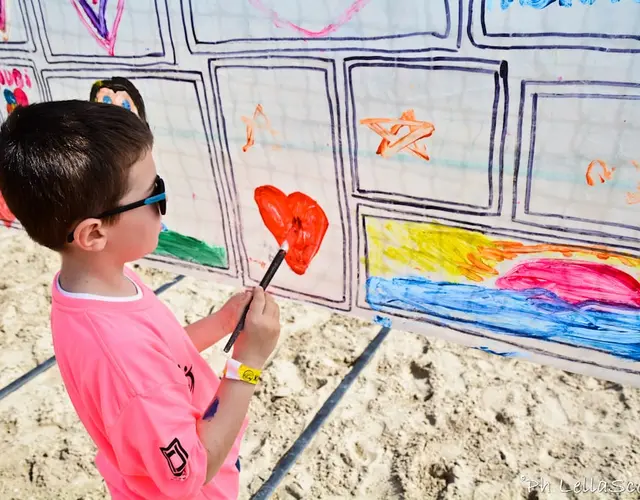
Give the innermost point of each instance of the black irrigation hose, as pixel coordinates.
(44, 366)
(289, 458)
(23, 379)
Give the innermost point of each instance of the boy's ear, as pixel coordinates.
(90, 235)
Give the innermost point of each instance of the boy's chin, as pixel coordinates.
(140, 251)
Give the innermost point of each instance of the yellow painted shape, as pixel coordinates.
(398, 248)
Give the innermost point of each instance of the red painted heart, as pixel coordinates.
(296, 218)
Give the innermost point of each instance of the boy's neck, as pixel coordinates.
(94, 276)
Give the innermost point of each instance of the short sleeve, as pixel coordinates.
(156, 444)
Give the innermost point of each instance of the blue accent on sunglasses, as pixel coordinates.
(159, 196)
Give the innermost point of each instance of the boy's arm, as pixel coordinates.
(211, 329)
(229, 407)
(207, 331)
(223, 419)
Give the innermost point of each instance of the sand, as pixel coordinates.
(425, 419)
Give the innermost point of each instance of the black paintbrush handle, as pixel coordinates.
(268, 276)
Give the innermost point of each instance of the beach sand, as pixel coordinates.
(426, 419)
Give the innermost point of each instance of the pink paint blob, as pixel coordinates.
(17, 77)
(14, 78)
(346, 16)
(3, 16)
(574, 281)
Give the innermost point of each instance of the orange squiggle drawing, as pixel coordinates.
(391, 144)
(605, 175)
(252, 124)
(634, 198)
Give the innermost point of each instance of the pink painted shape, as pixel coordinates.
(346, 16)
(110, 41)
(574, 281)
(3, 16)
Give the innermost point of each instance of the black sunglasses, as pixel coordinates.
(159, 196)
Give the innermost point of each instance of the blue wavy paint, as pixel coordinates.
(532, 313)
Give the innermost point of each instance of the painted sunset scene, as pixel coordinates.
(585, 297)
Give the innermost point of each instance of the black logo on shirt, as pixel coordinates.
(176, 457)
(189, 374)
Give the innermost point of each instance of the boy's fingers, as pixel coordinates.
(271, 307)
(258, 302)
(245, 297)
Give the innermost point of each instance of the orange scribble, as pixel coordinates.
(456, 252)
(634, 198)
(391, 144)
(509, 250)
(605, 175)
(480, 264)
(252, 123)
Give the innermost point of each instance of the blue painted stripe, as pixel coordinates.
(537, 314)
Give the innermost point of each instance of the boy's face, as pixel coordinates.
(135, 234)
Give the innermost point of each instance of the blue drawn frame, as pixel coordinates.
(498, 69)
(218, 47)
(167, 55)
(27, 45)
(195, 78)
(565, 89)
(542, 40)
(327, 68)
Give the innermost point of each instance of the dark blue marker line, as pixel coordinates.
(212, 410)
(289, 458)
(508, 354)
(12, 387)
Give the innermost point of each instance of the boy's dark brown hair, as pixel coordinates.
(64, 161)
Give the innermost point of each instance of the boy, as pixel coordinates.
(80, 178)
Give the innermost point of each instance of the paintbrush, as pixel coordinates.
(268, 276)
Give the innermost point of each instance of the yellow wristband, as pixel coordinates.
(234, 370)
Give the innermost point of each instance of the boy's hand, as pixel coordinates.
(261, 331)
(232, 310)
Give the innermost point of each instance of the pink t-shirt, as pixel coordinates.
(139, 385)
